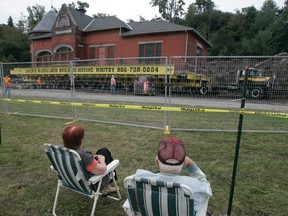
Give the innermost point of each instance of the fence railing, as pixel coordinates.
(190, 87)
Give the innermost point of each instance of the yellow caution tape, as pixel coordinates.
(121, 106)
(154, 108)
(270, 114)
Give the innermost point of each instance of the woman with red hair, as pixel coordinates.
(95, 164)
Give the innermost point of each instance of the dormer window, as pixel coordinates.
(63, 21)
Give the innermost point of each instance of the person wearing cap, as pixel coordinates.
(171, 158)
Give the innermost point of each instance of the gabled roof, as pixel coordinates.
(158, 26)
(46, 24)
(105, 23)
(152, 27)
(86, 23)
(81, 19)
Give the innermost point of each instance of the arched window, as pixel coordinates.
(63, 53)
(63, 21)
(43, 57)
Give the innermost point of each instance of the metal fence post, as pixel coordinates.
(72, 89)
(238, 141)
(167, 97)
(5, 107)
(0, 134)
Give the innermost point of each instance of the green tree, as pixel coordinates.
(201, 12)
(284, 11)
(265, 17)
(203, 6)
(36, 14)
(14, 45)
(260, 44)
(82, 5)
(72, 5)
(249, 16)
(99, 15)
(22, 23)
(227, 40)
(169, 9)
(280, 30)
(258, 29)
(10, 21)
(200, 21)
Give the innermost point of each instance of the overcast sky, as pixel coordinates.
(123, 9)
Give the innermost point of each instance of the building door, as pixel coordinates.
(102, 55)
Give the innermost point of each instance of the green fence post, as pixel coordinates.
(239, 132)
(0, 134)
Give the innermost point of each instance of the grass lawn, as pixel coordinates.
(27, 186)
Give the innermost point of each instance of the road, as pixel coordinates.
(126, 99)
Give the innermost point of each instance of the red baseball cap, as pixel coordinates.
(171, 148)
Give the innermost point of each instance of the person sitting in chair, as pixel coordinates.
(95, 164)
(171, 158)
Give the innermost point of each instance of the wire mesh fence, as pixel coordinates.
(222, 77)
(196, 86)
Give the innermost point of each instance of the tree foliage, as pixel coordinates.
(36, 14)
(203, 6)
(169, 9)
(10, 22)
(14, 45)
(248, 31)
(100, 15)
(81, 5)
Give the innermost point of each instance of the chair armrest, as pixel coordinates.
(110, 167)
(128, 181)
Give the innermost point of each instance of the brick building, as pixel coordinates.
(71, 34)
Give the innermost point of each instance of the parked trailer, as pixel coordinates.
(140, 79)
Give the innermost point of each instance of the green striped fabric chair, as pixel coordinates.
(151, 197)
(72, 174)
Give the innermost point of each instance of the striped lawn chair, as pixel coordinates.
(156, 197)
(72, 174)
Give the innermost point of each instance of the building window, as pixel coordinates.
(63, 54)
(110, 51)
(150, 50)
(63, 21)
(198, 62)
(110, 55)
(198, 51)
(102, 52)
(92, 52)
(43, 56)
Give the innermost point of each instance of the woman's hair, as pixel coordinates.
(72, 136)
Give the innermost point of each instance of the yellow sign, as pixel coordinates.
(94, 70)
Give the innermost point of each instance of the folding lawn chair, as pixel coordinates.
(156, 197)
(72, 174)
